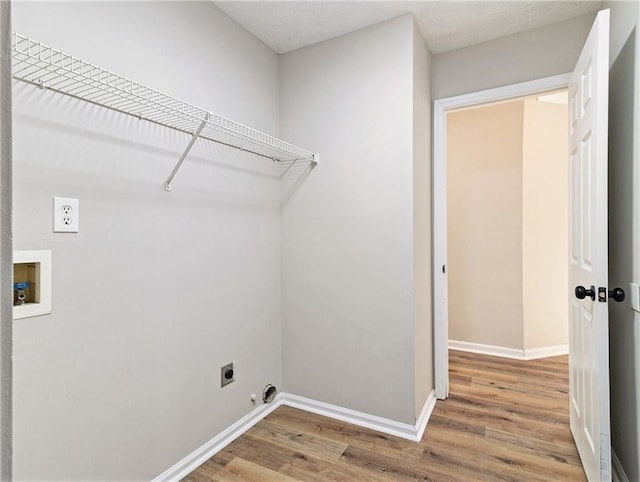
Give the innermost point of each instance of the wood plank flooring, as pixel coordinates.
(505, 420)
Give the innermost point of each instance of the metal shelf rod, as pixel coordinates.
(194, 138)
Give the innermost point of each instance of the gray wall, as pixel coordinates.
(348, 265)
(422, 221)
(624, 232)
(6, 266)
(530, 55)
(158, 289)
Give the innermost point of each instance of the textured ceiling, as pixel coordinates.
(446, 25)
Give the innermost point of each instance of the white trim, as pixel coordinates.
(492, 350)
(440, 296)
(425, 415)
(217, 443)
(361, 419)
(504, 352)
(619, 475)
(545, 351)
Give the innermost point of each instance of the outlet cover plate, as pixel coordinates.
(635, 296)
(66, 215)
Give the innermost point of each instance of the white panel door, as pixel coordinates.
(588, 263)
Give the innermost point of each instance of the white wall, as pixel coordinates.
(624, 232)
(530, 55)
(507, 196)
(545, 224)
(158, 289)
(6, 256)
(484, 224)
(422, 221)
(348, 234)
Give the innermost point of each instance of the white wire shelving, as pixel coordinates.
(52, 69)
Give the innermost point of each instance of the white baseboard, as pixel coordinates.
(217, 443)
(545, 351)
(514, 353)
(486, 349)
(619, 474)
(425, 415)
(361, 419)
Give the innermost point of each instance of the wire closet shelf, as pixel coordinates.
(52, 69)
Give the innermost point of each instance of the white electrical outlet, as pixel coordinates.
(66, 215)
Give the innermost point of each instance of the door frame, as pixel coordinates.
(440, 109)
(6, 246)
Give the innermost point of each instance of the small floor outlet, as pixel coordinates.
(227, 374)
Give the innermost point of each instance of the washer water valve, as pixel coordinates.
(20, 293)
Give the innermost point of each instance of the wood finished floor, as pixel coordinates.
(505, 420)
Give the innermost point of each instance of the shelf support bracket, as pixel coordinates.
(194, 138)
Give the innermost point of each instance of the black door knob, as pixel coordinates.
(582, 292)
(617, 294)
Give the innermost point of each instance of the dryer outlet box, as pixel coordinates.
(227, 374)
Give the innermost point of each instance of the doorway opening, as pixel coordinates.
(458, 105)
(588, 245)
(502, 179)
(507, 227)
